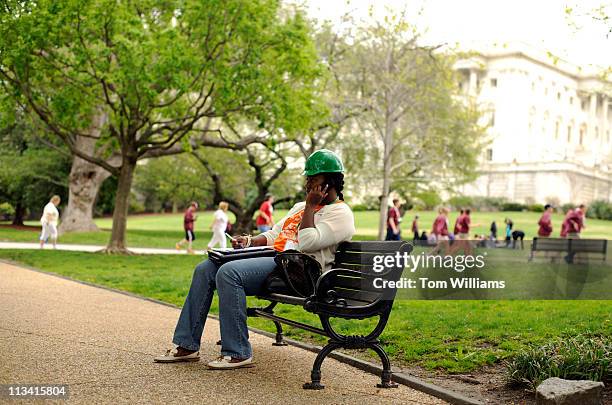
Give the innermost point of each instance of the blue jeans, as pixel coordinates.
(263, 228)
(392, 236)
(234, 281)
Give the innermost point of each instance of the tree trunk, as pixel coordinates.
(20, 211)
(384, 203)
(117, 243)
(85, 182)
(244, 222)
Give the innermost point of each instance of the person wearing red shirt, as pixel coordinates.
(545, 223)
(188, 220)
(463, 225)
(440, 225)
(575, 222)
(456, 228)
(264, 220)
(393, 220)
(440, 231)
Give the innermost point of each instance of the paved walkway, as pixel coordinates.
(93, 248)
(101, 343)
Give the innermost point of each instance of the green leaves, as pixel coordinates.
(170, 61)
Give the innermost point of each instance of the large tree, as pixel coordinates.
(153, 74)
(415, 126)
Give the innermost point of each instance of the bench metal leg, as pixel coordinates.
(315, 374)
(386, 373)
(279, 335)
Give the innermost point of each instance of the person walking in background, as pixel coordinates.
(264, 221)
(188, 219)
(440, 231)
(462, 242)
(545, 222)
(582, 211)
(456, 227)
(440, 225)
(509, 226)
(415, 228)
(49, 220)
(219, 225)
(574, 221)
(393, 220)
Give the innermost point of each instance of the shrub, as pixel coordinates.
(510, 206)
(359, 207)
(459, 202)
(582, 357)
(535, 208)
(135, 206)
(427, 200)
(600, 210)
(6, 211)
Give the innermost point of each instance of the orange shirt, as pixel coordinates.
(290, 229)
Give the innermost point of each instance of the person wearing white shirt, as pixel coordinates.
(219, 225)
(49, 221)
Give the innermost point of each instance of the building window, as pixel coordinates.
(558, 96)
(582, 105)
(494, 82)
(532, 86)
(489, 155)
(492, 120)
(571, 100)
(569, 133)
(581, 138)
(596, 132)
(557, 130)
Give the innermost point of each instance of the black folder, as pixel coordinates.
(221, 256)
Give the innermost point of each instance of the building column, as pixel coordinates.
(592, 117)
(473, 83)
(605, 126)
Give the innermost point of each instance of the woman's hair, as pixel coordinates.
(335, 180)
(223, 206)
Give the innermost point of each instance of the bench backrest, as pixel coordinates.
(570, 245)
(360, 256)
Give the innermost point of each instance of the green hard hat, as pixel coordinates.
(323, 161)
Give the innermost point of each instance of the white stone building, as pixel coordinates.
(550, 127)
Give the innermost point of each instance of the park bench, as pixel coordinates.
(347, 291)
(571, 246)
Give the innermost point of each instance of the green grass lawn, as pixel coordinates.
(164, 230)
(455, 336)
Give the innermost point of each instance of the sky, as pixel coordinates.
(542, 24)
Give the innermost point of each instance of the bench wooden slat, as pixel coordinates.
(370, 246)
(361, 283)
(360, 257)
(358, 267)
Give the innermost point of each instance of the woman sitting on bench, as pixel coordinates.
(315, 226)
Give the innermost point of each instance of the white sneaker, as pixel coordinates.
(227, 362)
(171, 357)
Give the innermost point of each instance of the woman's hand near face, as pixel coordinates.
(316, 195)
